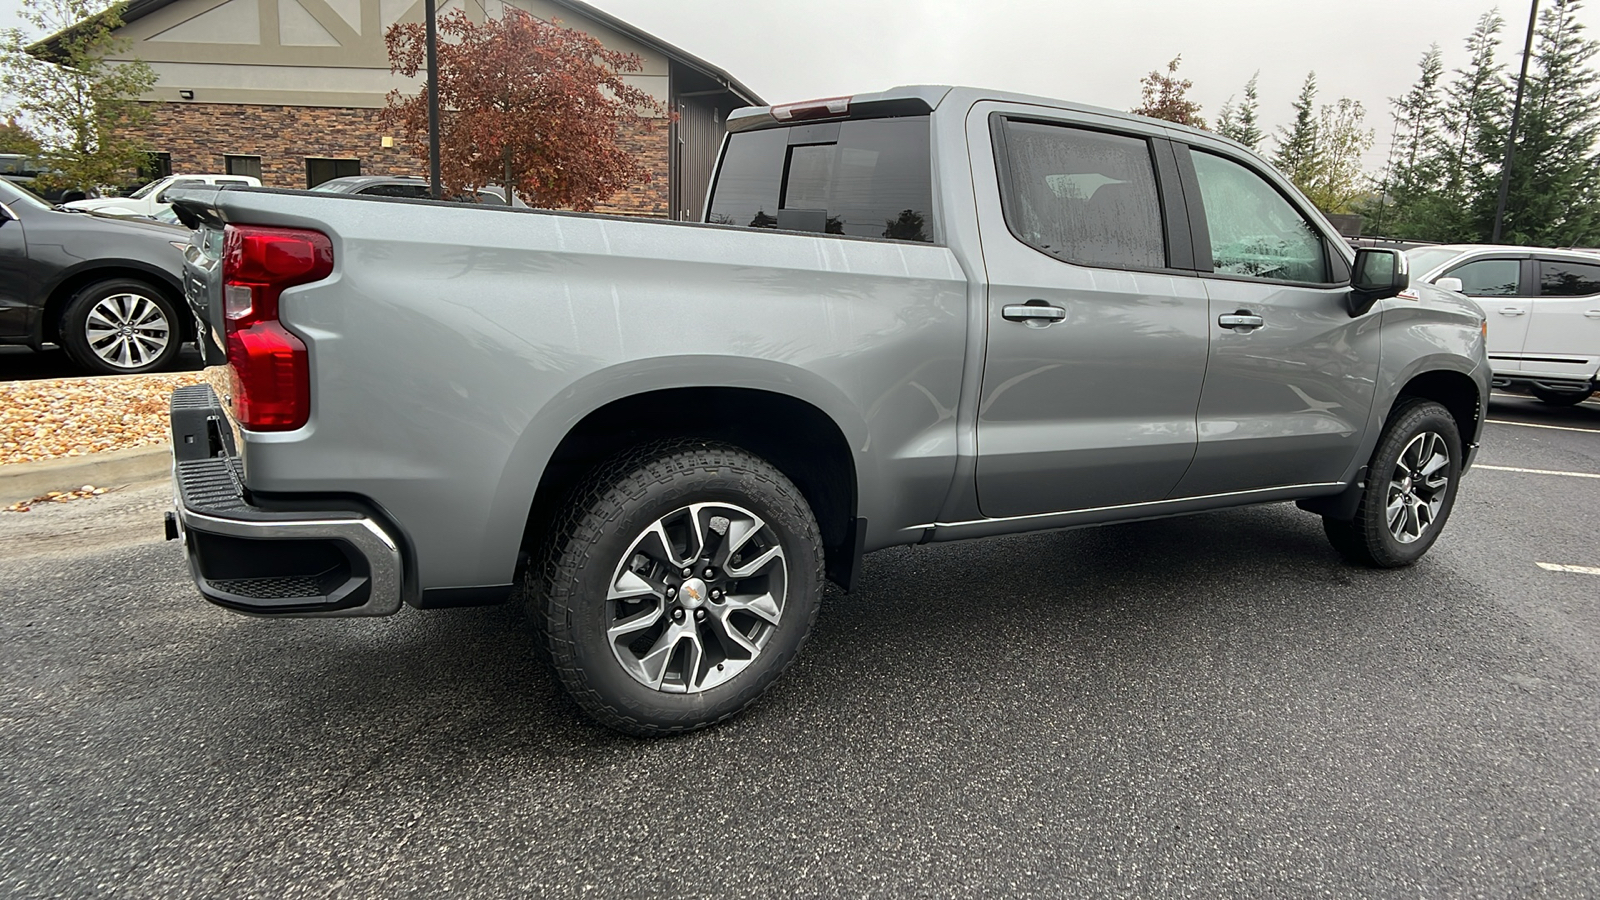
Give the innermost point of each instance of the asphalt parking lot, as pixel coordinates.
(1209, 706)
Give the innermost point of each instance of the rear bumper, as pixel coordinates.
(300, 563)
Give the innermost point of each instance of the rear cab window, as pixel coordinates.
(869, 178)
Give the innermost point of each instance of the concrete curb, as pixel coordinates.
(112, 468)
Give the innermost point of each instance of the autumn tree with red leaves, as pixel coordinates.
(523, 103)
(1167, 97)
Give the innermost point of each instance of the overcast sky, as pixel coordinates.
(1090, 51)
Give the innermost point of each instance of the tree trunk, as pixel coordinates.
(505, 156)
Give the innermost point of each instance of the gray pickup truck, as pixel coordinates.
(928, 314)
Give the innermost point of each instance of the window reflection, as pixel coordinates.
(869, 178)
(1255, 232)
(1488, 277)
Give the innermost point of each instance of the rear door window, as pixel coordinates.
(1083, 196)
(869, 178)
(1488, 277)
(1568, 279)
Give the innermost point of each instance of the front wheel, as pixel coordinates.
(1561, 398)
(1411, 488)
(678, 586)
(120, 326)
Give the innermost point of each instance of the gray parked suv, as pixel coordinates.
(928, 314)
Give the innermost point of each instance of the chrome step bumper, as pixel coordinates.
(270, 562)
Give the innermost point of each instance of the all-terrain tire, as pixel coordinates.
(597, 534)
(1372, 538)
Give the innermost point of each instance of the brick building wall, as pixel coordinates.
(199, 135)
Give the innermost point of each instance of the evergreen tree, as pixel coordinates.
(1556, 173)
(1412, 173)
(1297, 144)
(1474, 116)
(1240, 122)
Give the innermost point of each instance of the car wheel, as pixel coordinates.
(1411, 488)
(681, 581)
(121, 326)
(1561, 398)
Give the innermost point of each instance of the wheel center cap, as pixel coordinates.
(1406, 485)
(693, 593)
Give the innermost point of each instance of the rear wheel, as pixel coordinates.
(680, 584)
(1561, 398)
(1411, 488)
(121, 326)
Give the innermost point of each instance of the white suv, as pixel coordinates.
(152, 198)
(1543, 308)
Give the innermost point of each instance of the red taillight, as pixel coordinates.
(271, 374)
(826, 108)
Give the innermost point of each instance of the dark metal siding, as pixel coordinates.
(698, 136)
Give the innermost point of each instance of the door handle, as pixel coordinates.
(1035, 312)
(1241, 319)
(1592, 314)
(1513, 311)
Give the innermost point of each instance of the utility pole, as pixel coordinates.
(430, 19)
(1516, 119)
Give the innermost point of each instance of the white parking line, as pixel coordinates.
(1536, 471)
(1581, 570)
(1551, 427)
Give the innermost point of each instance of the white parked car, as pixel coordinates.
(152, 198)
(1543, 307)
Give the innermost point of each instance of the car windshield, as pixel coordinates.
(330, 187)
(17, 195)
(1425, 259)
(147, 190)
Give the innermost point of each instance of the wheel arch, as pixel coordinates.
(1456, 391)
(76, 279)
(796, 436)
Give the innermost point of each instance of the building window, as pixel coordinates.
(243, 165)
(156, 166)
(320, 169)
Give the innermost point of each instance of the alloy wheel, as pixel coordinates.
(127, 330)
(1418, 486)
(696, 597)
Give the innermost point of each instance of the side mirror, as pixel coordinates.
(1379, 275)
(1450, 283)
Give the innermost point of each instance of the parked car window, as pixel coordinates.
(1568, 279)
(411, 191)
(145, 191)
(1488, 277)
(180, 183)
(868, 178)
(1083, 196)
(15, 194)
(1426, 259)
(1255, 231)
